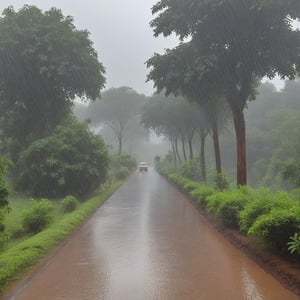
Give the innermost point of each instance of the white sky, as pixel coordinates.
(121, 34)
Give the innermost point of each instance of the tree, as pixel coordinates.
(238, 43)
(119, 109)
(45, 62)
(72, 160)
(177, 72)
(178, 120)
(4, 204)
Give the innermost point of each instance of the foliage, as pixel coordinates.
(4, 191)
(4, 165)
(191, 169)
(294, 244)
(201, 193)
(232, 60)
(19, 258)
(262, 202)
(69, 203)
(221, 181)
(125, 160)
(189, 185)
(227, 205)
(72, 160)
(120, 166)
(38, 216)
(45, 63)
(291, 171)
(277, 226)
(122, 173)
(119, 111)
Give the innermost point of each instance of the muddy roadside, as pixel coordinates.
(286, 272)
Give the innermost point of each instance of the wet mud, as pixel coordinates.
(148, 242)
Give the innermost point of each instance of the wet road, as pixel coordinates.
(147, 242)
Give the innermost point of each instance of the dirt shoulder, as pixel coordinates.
(286, 272)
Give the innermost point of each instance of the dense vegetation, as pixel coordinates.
(272, 217)
(206, 87)
(50, 163)
(72, 160)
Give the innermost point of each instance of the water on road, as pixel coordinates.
(148, 242)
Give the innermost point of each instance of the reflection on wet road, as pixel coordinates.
(147, 242)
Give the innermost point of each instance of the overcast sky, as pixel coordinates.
(121, 34)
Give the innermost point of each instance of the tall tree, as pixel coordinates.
(177, 120)
(242, 41)
(45, 62)
(118, 109)
(177, 72)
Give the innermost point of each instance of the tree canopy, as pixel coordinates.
(119, 109)
(45, 62)
(234, 44)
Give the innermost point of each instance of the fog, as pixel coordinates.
(121, 34)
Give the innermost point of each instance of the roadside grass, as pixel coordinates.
(13, 227)
(17, 259)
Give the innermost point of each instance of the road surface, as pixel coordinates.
(148, 242)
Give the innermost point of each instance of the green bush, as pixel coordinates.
(191, 169)
(189, 185)
(227, 205)
(4, 205)
(118, 161)
(38, 216)
(277, 227)
(201, 193)
(72, 160)
(69, 203)
(122, 173)
(294, 244)
(221, 181)
(263, 201)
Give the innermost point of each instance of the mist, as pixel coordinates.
(120, 32)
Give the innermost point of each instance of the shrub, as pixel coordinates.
(191, 169)
(72, 160)
(189, 185)
(294, 244)
(263, 201)
(4, 207)
(38, 216)
(4, 238)
(118, 161)
(69, 203)
(277, 227)
(221, 182)
(122, 173)
(229, 209)
(227, 205)
(201, 193)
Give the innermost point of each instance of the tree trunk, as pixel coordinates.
(176, 149)
(190, 143)
(215, 133)
(202, 155)
(190, 139)
(183, 147)
(174, 154)
(120, 145)
(240, 132)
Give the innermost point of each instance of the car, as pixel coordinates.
(143, 167)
